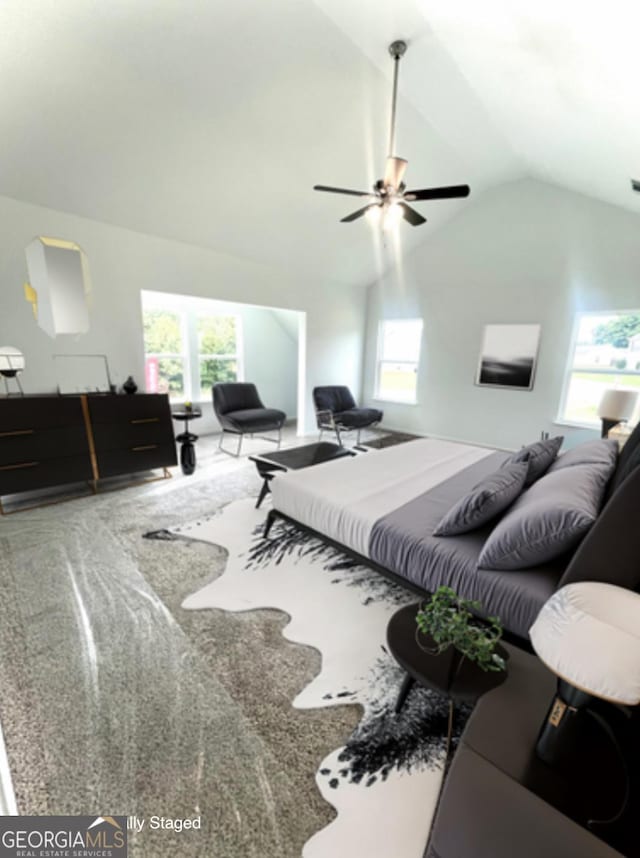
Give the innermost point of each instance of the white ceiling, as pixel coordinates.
(208, 121)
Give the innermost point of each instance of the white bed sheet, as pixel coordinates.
(344, 498)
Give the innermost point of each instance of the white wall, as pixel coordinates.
(123, 262)
(271, 356)
(524, 252)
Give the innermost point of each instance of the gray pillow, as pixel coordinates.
(548, 519)
(485, 501)
(600, 452)
(539, 456)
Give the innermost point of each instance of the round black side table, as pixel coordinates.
(458, 681)
(187, 439)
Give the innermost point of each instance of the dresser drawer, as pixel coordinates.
(40, 412)
(33, 474)
(21, 445)
(143, 457)
(127, 409)
(124, 436)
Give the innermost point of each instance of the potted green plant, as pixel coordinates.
(448, 620)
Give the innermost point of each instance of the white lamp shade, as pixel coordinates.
(588, 634)
(11, 360)
(617, 404)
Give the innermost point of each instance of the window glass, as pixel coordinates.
(188, 349)
(398, 358)
(605, 354)
(164, 348)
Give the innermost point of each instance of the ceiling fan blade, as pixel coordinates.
(411, 215)
(331, 190)
(357, 214)
(394, 172)
(446, 193)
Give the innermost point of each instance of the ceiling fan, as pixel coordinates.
(389, 199)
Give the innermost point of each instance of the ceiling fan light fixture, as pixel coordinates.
(374, 214)
(392, 216)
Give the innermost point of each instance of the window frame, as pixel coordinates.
(380, 360)
(237, 356)
(182, 356)
(190, 309)
(569, 370)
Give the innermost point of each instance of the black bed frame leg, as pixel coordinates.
(271, 517)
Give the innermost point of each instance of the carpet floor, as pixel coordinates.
(115, 700)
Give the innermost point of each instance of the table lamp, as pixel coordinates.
(588, 634)
(615, 406)
(11, 364)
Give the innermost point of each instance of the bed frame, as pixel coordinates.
(610, 552)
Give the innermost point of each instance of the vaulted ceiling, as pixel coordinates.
(209, 121)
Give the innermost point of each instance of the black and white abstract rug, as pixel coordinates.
(385, 781)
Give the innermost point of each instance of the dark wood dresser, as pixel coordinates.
(131, 433)
(48, 441)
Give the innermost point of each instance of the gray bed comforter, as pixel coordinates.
(401, 542)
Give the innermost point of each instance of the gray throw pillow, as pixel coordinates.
(485, 501)
(540, 456)
(547, 520)
(600, 452)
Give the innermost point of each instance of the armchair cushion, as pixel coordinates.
(333, 398)
(358, 418)
(235, 396)
(253, 419)
(335, 404)
(239, 408)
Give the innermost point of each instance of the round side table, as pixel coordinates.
(187, 439)
(459, 682)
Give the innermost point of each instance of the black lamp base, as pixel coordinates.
(607, 424)
(557, 736)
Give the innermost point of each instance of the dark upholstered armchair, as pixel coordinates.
(240, 411)
(336, 411)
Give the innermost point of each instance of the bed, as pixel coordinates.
(383, 506)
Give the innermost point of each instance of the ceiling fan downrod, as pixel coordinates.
(397, 50)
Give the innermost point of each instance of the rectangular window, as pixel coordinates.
(398, 357)
(605, 354)
(165, 352)
(189, 344)
(217, 351)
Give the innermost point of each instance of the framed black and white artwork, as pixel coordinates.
(508, 356)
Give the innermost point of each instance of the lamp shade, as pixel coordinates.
(617, 404)
(11, 361)
(588, 634)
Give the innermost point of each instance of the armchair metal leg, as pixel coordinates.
(358, 436)
(337, 428)
(229, 452)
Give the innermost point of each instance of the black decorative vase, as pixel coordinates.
(130, 386)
